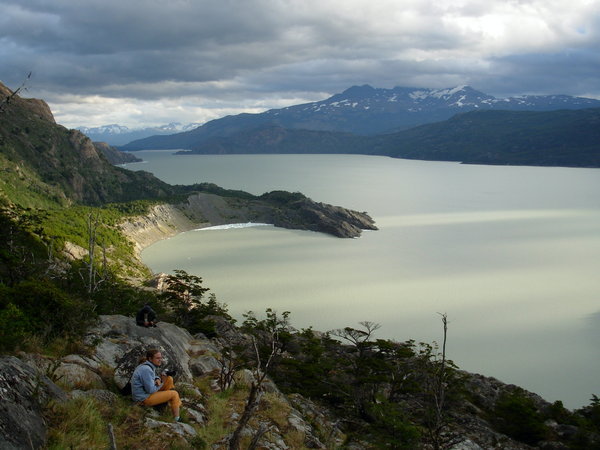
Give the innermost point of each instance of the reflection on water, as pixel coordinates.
(511, 254)
(479, 217)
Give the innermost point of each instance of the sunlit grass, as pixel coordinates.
(77, 423)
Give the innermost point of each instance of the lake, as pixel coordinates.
(510, 254)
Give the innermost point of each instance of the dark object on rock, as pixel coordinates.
(24, 392)
(146, 317)
(126, 390)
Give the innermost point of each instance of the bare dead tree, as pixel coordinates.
(6, 100)
(52, 264)
(438, 392)
(229, 365)
(92, 280)
(92, 227)
(258, 435)
(256, 389)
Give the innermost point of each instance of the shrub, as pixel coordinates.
(282, 197)
(517, 416)
(13, 327)
(392, 428)
(41, 308)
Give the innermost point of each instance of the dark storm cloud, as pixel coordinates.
(260, 52)
(561, 73)
(93, 46)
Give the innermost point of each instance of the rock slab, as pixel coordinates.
(23, 391)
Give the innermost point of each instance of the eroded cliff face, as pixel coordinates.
(162, 222)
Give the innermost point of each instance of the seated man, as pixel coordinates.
(146, 317)
(149, 390)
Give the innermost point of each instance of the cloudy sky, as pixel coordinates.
(150, 62)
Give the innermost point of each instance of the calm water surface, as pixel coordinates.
(511, 254)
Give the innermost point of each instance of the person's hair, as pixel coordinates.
(151, 352)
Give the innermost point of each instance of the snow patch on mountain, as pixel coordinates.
(172, 127)
(115, 134)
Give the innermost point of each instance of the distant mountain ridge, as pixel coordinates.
(275, 139)
(115, 134)
(567, 138)
(543, 138)
(365, 110)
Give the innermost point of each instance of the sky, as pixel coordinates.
(150, 62)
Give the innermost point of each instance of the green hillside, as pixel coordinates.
(43, 164)
(276, 139)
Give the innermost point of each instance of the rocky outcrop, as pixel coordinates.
(117, 344)
(301, 213)
(36, 108)
(121, 344)
(114, 155)
(24, 391)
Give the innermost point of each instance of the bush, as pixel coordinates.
(517, 417)
(393, 428)
(282, 197)
(38, 307)
(118, 297)
(13, 327)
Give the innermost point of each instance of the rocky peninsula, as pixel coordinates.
(282, 209)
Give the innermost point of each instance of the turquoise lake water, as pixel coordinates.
(511, 254)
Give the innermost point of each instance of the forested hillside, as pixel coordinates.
(554, 138)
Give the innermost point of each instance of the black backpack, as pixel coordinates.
(126, 390)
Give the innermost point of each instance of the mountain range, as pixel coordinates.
(568, 138)
(359, 111)
(114, 134)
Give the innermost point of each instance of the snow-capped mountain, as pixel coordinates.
(366, 110)
(115, 134)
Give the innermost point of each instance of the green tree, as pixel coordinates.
(22, 252)
(183, 296)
